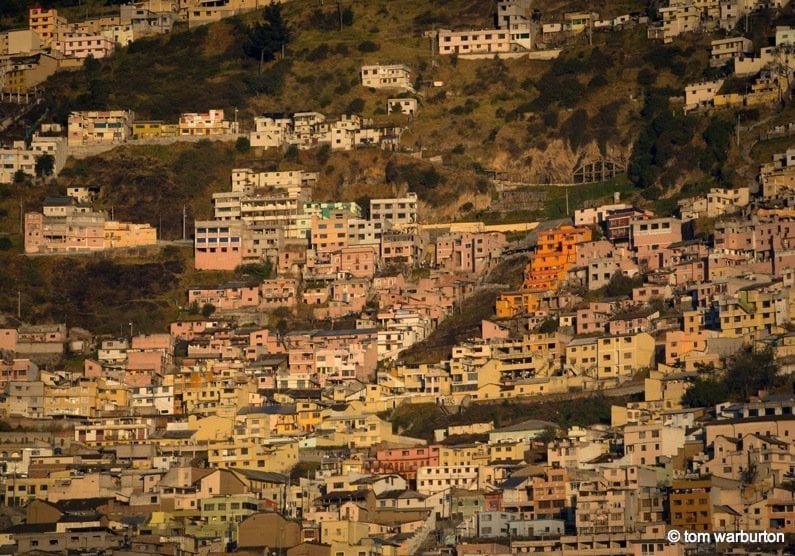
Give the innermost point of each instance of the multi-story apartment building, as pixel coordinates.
(106, 432)
(554, 255)
(405, 460)
(202, 12)
(65, 226)
(610, 356)
(693, 502)
(716, 203)
(602, 508)
(307, 130)
(233, 295)
(723, 51)
(205, 124)
(397, 211)
(485, 41)
(219, 244)
(22, 157)
(396, 76)
(648, 238)
(433, 479)
(754, 311)
(21, 74)
(254, 453)
(467, 252)
(77, 230)
(646, 444)
(702, 94)
(83, 45)
(45, 23)
(99, 128)
(779, 174)
(293, 181)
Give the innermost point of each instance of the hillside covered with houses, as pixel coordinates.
(386, 279)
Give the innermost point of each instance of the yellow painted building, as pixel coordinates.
(511, 304)
(308, 415)
(754, 312)
(253, 453)
(463, 455)
(606, 357)
(25, 73)
(112, 395)
(77, 399)
(502, 452)
(127, 234)
(351, 428)
(154, 129)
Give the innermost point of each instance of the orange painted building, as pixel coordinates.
(405, 460)
(511, 304)
(555, 254)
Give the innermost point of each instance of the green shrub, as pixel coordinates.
(368, 46)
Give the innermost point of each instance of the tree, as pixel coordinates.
(264, 40)
(20, 177)
(208, 310)
(718, 137)
(621, 285)
(549, 325)
(291, 153)
(705, 392)
(364, 204)
(751, 371)
(355, 106)
(45, 165)
(242, 145)
(347, 16)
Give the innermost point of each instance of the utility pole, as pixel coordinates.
(184, 218)
(19, 304)
(590, 28)
(339, 13)
(567, 201)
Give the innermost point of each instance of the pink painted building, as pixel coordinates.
(218, 244)
(278, 292)
(316, 295)
(400, 248)
(329, 234)
(358, 261)
(266, 339)
(17, 370)
(469, 252)
(648, 292)
(233, 295)
(291, 259)
(404, 460)
(83, 45)
(631, 322)
(187, 329)
(593, 318)
(650, 237)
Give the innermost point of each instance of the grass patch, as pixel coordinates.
(763, 151)
(463, 323)
(420, 420)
